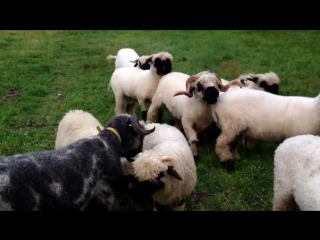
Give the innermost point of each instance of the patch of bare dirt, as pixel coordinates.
(10, 95)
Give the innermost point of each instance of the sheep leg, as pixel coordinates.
(159, 207)
(191, 136)
(177, 124)
(155, 107)
(120, 104)
(143, 108)
(224, 141)
(131, 108)
(284, 202)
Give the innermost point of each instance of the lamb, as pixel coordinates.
(76, 125)
(261, 116)
(127, 57)
(193, 112)
(165, 168)
(268, 82)
(133, 84)
(66, 179)
(296, 174)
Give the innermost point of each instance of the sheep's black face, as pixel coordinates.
(210, 95)
(148, 188)
(163, 66)
(146, 65)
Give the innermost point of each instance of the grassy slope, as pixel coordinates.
(46, 73)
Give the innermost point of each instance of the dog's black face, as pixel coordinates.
(163, 66)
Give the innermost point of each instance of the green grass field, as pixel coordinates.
(44, 74)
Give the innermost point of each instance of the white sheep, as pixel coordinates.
(297, 174)
(165, 168)
(132, 84)
(127, 57)
(261, 116)
(194, 112)
(76, 125)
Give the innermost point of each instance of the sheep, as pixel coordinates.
(261, 116)
(193, 112)
(268, 82)
(76, 125)
(68, 178)
(133, 84)
(127, 57)
(165, 168)
(296, 174)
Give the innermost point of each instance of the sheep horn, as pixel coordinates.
(182, 93)
(224, 88)
(190, 81)
(174, 173)
(139, 128)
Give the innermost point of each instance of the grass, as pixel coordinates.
(46, 73)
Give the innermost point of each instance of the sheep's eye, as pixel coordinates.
(199, 86)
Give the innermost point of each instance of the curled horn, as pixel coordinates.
(139, 128)
(190, 81)
(224, 88)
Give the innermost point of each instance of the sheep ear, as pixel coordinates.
(135, 61)
(171, 171)
(166, 159)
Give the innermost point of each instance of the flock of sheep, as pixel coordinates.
(91, 164)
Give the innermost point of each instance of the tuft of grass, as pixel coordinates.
(44, 74)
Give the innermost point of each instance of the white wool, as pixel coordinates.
(262, 116)
(76, 125)
(167, 141)
(123, 58)
(297, 174)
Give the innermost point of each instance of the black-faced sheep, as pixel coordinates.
(132, 84)
(268, 82)
(297, 174)
(194, 112)
(68, 178)
(165, 168)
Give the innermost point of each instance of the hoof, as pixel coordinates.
(144, 115)
(228, 165)
(196, 158)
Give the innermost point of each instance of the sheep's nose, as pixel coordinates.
(210, 95)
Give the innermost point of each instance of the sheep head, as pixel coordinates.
(143, 62)
(151, 171)
(206, 86)
(161, 63)
(268, 82)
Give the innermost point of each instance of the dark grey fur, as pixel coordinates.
(66, 179)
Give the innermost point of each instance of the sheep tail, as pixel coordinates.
(111, 57)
